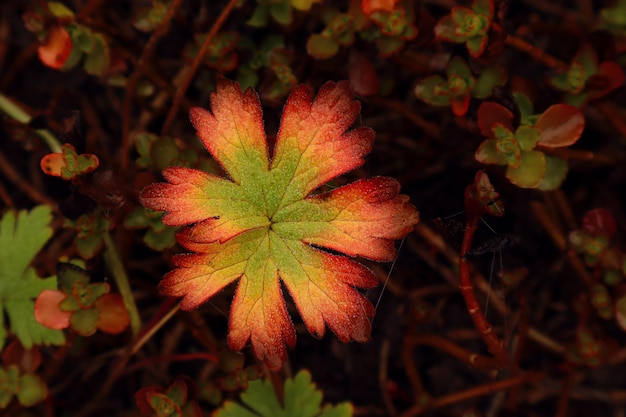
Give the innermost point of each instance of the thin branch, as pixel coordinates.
(131, 86)
(182, 88)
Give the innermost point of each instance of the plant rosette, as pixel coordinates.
(339, 31)
(172, 401)
(593, 241)
(522, 150)
(468, 25)
(89, 228)
(586, 79)
(80, 305)
(64, 46)
(459, 87)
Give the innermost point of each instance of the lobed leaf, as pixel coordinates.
(22, 235)
(265, 224)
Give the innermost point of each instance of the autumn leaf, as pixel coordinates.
(268, 222)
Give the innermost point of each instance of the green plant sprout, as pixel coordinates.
(67, 43)
(81, 305)
(459, 86)
(523, 150)
(468, 25)
(586, 79)
(172, 401)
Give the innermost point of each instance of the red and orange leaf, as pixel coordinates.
(560, 125)
(490, 113)
(263, 226)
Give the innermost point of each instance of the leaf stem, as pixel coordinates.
(493, 342)
(15, 112)
(114, 263)
(536, 53)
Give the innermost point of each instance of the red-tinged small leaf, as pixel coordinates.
(27, 360)
(258, 226)
(112, 317)
(482, 198)
(370, 6)
(560, 125)
(614, 76)
(68, 163)
(476, 45)
(47, 310)
(490, 113)
(445, 30)
(599, 221)
(459, 105)
(486, 7)
(487, 153)
(433, 90)
(57, 48)
(52, 164)
(363, 77)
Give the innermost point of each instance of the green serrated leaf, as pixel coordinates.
(301, 399)
(22, 235)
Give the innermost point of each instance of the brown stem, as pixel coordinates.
(536, 53)
(131, 86)
(493, 342)
(430, 128)
(559, 240)
(474, 392)
(182, 88)
(13, 176)
(438, 342)
(614, 114)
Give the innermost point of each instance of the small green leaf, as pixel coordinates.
(433, 90)
(525, 107)
(490, 78)
(32, 390)
(556, 171)
(98, 60)
(476, 45)
(321, 47)
(527, 137)
(458, 66)
(85, 322)
(487, 153)
(530, 171)
(259, 17)
(281, 12)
